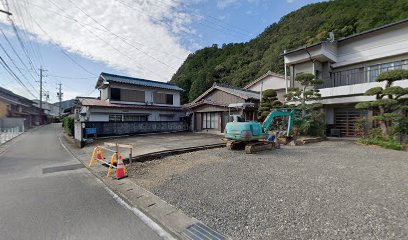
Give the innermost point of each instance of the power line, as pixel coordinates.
(120, 37)
(13, 25)
(35, 50)
(93, 33)
(237, 31)
(69, 77)
(15, 52)
(12, 61)
(10, 71)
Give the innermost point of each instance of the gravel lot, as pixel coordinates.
(327, 190)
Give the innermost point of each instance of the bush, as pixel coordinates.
(313, 124)
(388, 143)
(69, 125)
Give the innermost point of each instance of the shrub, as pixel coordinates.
(388, 143)
(69, 125)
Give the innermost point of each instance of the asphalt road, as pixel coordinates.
(41, 199)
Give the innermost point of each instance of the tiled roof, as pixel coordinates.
(93, 102)
(137, 81)
(239, 92)
(348, 37)
(12, 97)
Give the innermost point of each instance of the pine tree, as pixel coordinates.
(269, 102)
(391, 102)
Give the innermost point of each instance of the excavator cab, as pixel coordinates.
(252, 135)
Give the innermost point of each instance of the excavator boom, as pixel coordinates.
(279, 113)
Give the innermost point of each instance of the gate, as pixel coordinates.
(345, 120)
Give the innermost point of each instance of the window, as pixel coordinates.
(135, 118)
(115, 94)
(210, 120)
(163, 98)
(376, 70)
(169, 99)
(398, 65)
(115, 117)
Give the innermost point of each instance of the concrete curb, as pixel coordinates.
(165, 153)
(173, 220)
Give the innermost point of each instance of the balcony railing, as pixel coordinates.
(358, 75)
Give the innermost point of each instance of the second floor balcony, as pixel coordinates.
(360, 75)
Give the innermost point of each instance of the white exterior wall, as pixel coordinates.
(355, 89)
(148, 94)
(269, 82)
(102, 114)
(376, 45)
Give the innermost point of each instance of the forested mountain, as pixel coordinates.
(239, 63)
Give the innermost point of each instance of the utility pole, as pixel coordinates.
(60, 99)
(41, 94)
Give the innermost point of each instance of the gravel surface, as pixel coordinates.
(327, 190)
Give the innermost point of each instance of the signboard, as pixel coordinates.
(90, 131)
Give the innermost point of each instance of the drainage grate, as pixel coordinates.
(62, 168)
(199, 231)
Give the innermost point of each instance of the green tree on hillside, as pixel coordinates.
(237, 64)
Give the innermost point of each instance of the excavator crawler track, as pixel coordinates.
(258, 147)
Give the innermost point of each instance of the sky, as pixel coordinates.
(75, 40)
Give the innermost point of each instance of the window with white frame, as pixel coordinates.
(115, 117)
(375, 70)
(134, 118)
(210, 120)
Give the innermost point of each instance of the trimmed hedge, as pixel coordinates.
(69, 125)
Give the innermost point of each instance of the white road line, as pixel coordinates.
(148, 221)
(145, 219)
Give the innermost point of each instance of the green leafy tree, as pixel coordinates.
(390, 102)
(307, 94)
(269, 102)
(311, 122)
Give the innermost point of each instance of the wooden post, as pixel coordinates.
(130, 155)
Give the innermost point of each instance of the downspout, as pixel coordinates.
(311, 59)
(286, 74)
(286, 79)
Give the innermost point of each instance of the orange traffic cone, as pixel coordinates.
(99, 155)
(120, 169)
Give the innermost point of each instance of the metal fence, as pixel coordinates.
(360, 75)
(132, 128)
(7, 134)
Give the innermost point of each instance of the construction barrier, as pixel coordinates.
(116, 162)
(97, 155)
(116, 158)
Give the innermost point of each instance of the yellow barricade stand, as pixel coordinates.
(97, 155)
(114, 160)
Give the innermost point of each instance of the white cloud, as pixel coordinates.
(225, 3)
(290, 1)
(149, 32)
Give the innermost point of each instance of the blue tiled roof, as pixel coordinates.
(139, 81)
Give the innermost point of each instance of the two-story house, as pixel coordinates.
(17, 111)
(134, 105)
(349, 67)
